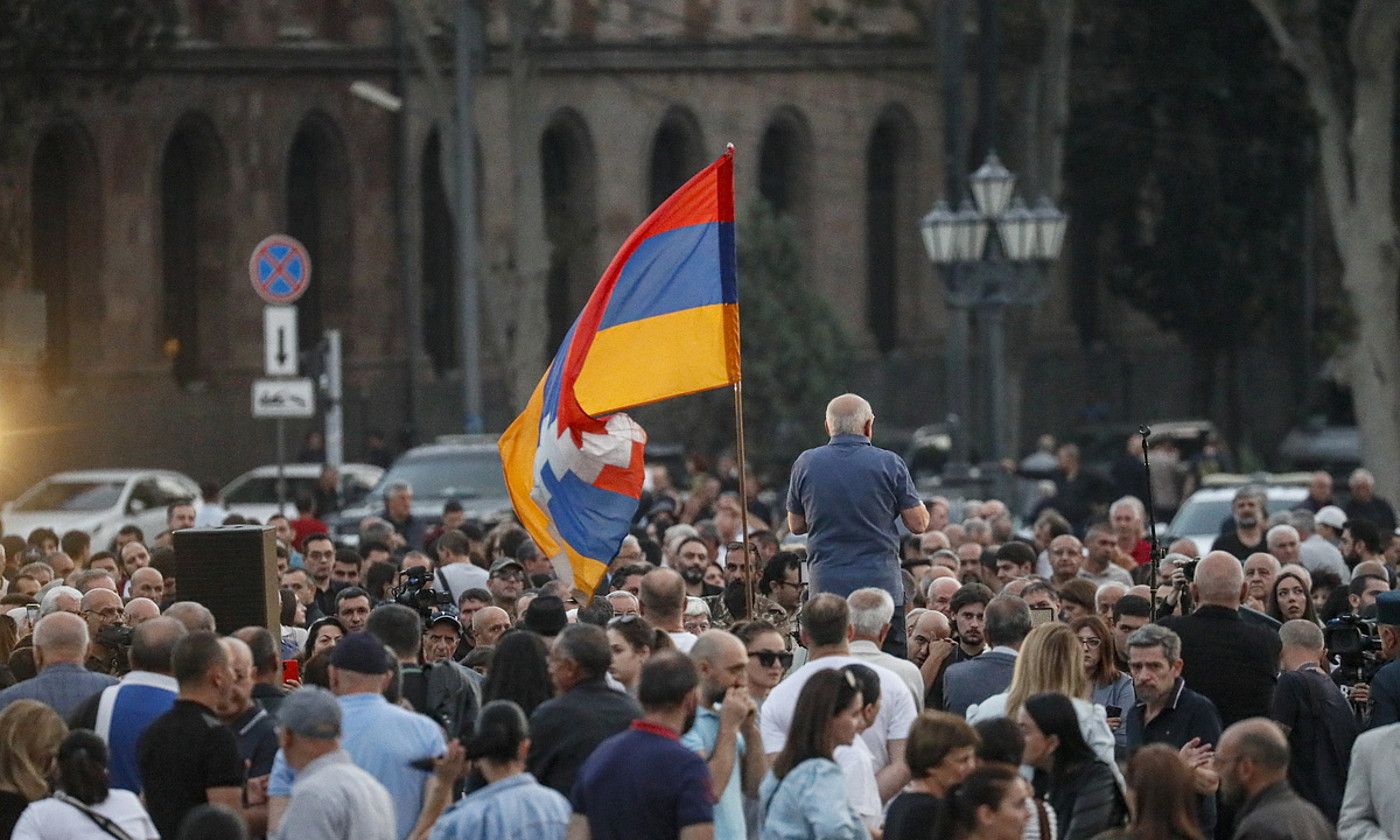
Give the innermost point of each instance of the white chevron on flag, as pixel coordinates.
(598, 450)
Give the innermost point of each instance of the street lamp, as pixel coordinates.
(992, 252)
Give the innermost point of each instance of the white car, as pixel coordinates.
(1202, 516)
(254, 493)
(99, 502)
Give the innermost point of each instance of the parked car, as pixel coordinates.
(254, 493)
(1315, 445)
(462, 467)
(1203, 515)
(99, 502)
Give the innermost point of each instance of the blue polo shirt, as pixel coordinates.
(851, 494)
(383, 740)
(641, 784)
(729, 810)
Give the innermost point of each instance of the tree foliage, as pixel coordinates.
(1186, 166)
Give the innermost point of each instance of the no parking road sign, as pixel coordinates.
(280, 269)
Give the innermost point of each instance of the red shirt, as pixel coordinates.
(1142, 552)
(305, 526)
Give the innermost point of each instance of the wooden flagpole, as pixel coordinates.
(750, 557)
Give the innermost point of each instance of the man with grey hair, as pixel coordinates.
(61, 599)
(1314, 552)
(1229, 660)
(63, 684)
(848, 496)
(1166, 711)
(871, 611)
(1249, 509)
(1253, 760)
(1318, 721)
(1007, 622)
(398, 512)
(192, 614)
(1365, 504)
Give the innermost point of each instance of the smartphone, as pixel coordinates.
(1042, 615)
(1113, 711)
(291, 670)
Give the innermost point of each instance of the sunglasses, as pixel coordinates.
(767, 658)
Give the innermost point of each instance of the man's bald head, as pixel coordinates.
(713, 645)
(1254, 755)
(61, 637)
(662, 596)
(153, 644)
(849, 414)
(934, 625)
(141, 610)
(192, 614)
(1219, 580)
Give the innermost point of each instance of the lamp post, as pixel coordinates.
(993, 252)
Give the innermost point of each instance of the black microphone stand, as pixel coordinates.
(1151, 524)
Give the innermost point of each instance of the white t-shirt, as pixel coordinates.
(684, 641)
(897, 712)
(50, 819)
(460, 577)
(858, 766)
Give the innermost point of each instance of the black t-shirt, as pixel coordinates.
(182, 754)
(1322, 729)
(11, 806)
(1230, 541)
(912, 816)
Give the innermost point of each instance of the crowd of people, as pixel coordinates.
(861, 662)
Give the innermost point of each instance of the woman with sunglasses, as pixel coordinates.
(768, 657)
(804, 796)
(633, 641)
(1111, 688)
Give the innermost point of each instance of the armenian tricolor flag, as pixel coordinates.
(662, 322)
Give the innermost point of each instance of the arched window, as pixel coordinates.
(677, 153)
(785, 170)
(194, 245)
(318, 214)
(66, 244)
(889, 220)
(569, 172)
(438, 260)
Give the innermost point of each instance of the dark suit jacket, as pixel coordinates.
(976, 679)
(1277, 813)
(565, 731)
(1232, 663)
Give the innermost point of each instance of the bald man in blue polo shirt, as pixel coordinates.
(846, 497)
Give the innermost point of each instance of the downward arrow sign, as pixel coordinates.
(281, 346)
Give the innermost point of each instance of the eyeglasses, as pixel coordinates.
(513, 577)
(1090, 642)
(767, 658)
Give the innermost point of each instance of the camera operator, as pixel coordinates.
(1384, 690)
(111, 638)
(442, 690)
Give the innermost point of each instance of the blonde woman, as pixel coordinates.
(30, 733)
(1051, 660)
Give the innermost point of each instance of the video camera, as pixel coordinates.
(1356, 644)
(417, 594)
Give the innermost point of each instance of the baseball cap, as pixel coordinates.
(1331, 515)
(546, 616)
(506, 563)
(444, 617)
(1388, 608)
(311, 712)
(361, 653)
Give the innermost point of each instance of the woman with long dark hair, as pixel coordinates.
(322, 635)
(84, 807)
(990, 804)
(511, 805)
(1291, 597)
(803, 796)
(1082, 788)
(519, 671)
(633, 640)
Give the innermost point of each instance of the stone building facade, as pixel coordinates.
(132, 216)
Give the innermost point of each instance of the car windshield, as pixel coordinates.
(263, 490)
(74, 496)
(1199, 516)
(466, 475)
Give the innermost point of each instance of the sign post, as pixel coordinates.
(280, 271)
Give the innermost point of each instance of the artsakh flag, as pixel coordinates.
(662, 322)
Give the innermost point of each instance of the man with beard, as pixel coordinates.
(731, 605)
(1253, 765)
(969, 604)
(1167, 712)
(691, 559)
(725, 729)
(1247, 537)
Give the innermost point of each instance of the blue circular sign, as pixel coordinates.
(280, 269)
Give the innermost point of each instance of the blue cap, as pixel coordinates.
(1388, 608)
(361, 653)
